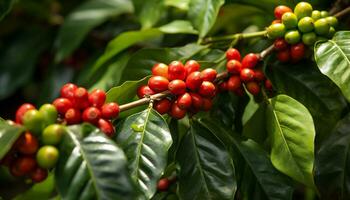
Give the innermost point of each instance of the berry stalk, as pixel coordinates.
(342, 12)
(237, 36)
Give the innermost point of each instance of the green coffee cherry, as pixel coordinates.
(322, 27)
(306, 24)
(47, 156)
(52, 134)
(331, 32)
(309, 38)
(333, 21)
(324, 14)
(34, 121)
(292, 37)
(289, 20)
(315, 15)
(49, 113)
(303, 9)
(276, 30)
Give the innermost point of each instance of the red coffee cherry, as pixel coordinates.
(247, 75)
(176, 71)
(110, 110)
(280, 44)
(38, 175)
(209, 74)
(160, 69)
(197, 101)
(194, 81)
(207, 104)
(268, 85)
(163, 106)
(106, 126)
(91, 115)
(280, 10)
(15, 171)
(22, 110)
(62, 105)
(81, 98)
(177, 87)
(192, 66)
(158, 83)
(207, 89)
(250, 60)
(233, 54)
(25, 164)
(27, 144)
(234, 66)
(233, 83)
(97, 98)
(163, 184)
(223, 86)
(283, 56)
(259, 75)
(253, 87)
(184, 101)
(297, 52)
(67, 90)
(240, 92)
(176, 112)
(144, 90)
(72, 116)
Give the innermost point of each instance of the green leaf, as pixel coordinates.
(178, 26)
(305, 83)
(254, 128)
(180, 4)
(8, 136)
(203, 13)
(5, 7)
(146, 139)
(91, 166)
(292, 132)
(83, 19)
(333, 163)
(333, 60)
(207, 171)
(148, 12)
(257, 176)
(41, 190)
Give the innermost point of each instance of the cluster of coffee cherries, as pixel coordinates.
(77, 105)
(243, 72)
(304, 26)
(192, 90)
(35, 152)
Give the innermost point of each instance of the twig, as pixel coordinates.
(237, 36)
(342, 12)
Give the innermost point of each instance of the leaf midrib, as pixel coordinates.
(340, 49)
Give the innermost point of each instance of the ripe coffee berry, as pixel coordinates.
(233, 83)
(297, 51)
(280, 10)
(110, 110)
(240, 92)
(158, 83)
(234, 66)
(144, 90)
(22, 110)
(207, 104)
(233, 54)
(223, 86)
(81, 98)
(253, 88)
(27, 144)
(247, 75)
(197, 100)
(208, 74)
(72, 116)
(194, 81)
(259, 75)
(25, 164)
(97, 98)
(283, 56)
(163, 106)
(184, 101)
(177, 87)
(207, 89)
(163, 184)
(91, 115)
(250, 60)
(191, 66)
(67, 90)
(160, 69)
(38, 175)
(106, 126)
(62, 105)
(176, 112)
(268, 84)
(176, 71)
(280, 44)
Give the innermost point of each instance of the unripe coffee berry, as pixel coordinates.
(21, 110)
(280, 10)
(194, 81)
(333, 21)
(233, 54)
(234, 66)
(97, 98)
(292, 37)
(49, 113)
(62, 105)
(322, 27)
(303, 9)
(233, 83)
(207, 89)
(309, 38)
(163, 106)
(315, 15)
(247, 75)
(110, 110)
(324, 14)
(208, 74)
(144, 90)
(306, 24)
(250, 60)
(184, 101)
(253, 88)
(290, 20)
(160, 69)
(72, 116)
(34, 121)
(106, 127)
(158, 83)
(67, 90)
(280, 44)
(276, 30)
(52, 135)
(177, 87)
(47, 156)
(176, 70)
(191, 66)
(91, 115)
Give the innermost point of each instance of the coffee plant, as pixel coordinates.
(174, 99)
